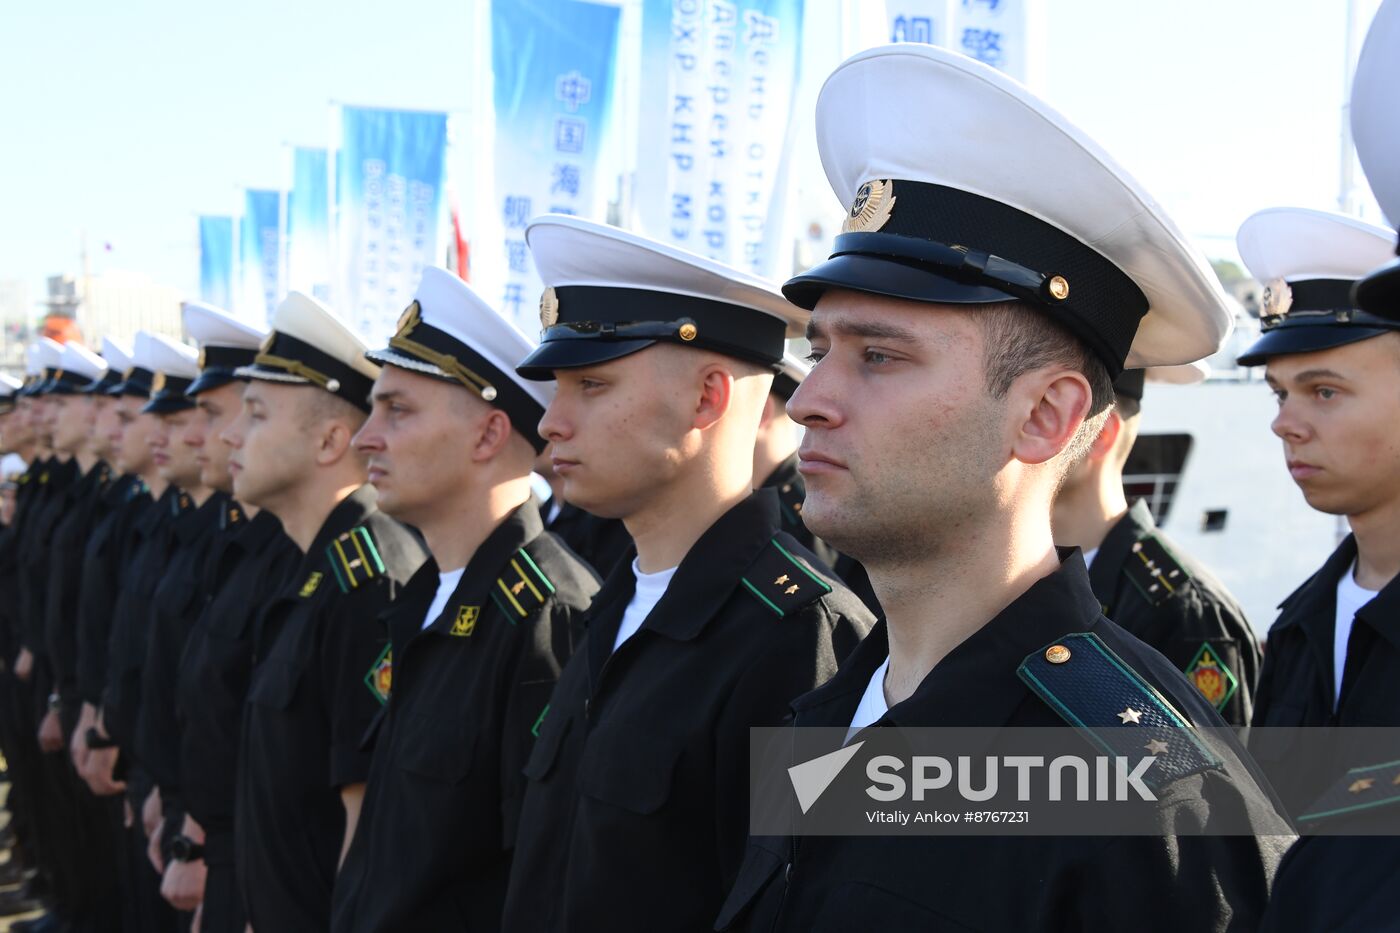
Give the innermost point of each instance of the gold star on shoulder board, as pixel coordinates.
(792, 589)
(781, 580)
(1130, 715)
(1156, 747)
(1361, 784)
(517, 587)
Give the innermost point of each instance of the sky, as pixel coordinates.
(125, 121)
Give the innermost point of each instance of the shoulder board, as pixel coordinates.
(791, 494)
(354, 559)
(1154, 571)
(782, 582)
(1359, 789)
(24, 479)
(1094, 690)
(522, 588)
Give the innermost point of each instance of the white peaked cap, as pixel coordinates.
(1297, 244)
(1067, 227)
(161, 354)
(81, 360)
(118, 357)
(1375, 108)
(209, 326)
(449, 331)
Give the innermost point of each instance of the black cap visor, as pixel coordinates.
(167, 403)
(563, 352)
(212, 379)
(1305, 338)
(888, 276)
(1379, 292)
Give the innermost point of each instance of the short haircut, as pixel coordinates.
(1018, 339)
(320, 405)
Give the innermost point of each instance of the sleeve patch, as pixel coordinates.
(354, 559)
(1153, 570)
(1359, 789)
(1094, 690)
(1210, 675)
(781, 582)
(380, 676)
(522, 588)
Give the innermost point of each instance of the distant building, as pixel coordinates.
(118, 304)
(17, 318)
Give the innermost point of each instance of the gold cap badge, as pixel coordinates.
(409, 319)
(1276, 300)
(871, 208)
(157, 382)
(549, 308)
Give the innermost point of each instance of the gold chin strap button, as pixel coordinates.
(332, 385)
(1059, 288)
(689, 332)
(489, 393)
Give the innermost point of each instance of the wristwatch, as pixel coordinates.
(185, 849)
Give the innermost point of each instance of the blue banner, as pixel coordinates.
(216, 261)
(308, 225)
(553, 63)
(719, 81)
(260, 254)
(389, 178)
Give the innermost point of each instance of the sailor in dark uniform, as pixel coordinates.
(323, 662)
(1143, 580)
(775, 464)
(248, 555)
(480, 632)
(965, 345)
(637, 807)
(1333, 655)
(93, 849)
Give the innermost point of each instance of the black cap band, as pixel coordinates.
(975, 250)
(218, 366)
(65, 382)
(422, 348)
(168, 395)
(632, 319)
(109, 379)
(136, 381)
(287, 359)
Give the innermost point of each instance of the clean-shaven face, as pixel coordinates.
(104, 424)
(72, 417)
(417, 441)
(217, 409)
(1337, 414)
(175, 460)
(902, 442)
(272, 450)
(131, 445)
(621, 431)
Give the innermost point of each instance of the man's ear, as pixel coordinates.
(1058, 403)
(715, 396)
(1108, 436)
(336, 438)
(493, 432)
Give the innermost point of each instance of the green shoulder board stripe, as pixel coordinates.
(1359, 789)
(354, 558)
(522, 588)
(782, 582)
(1092, 689)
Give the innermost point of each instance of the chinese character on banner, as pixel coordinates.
(553, 63)
(913, 29)
(983, 45)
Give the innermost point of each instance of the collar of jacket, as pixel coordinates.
(976, 683)
(706, 577)
(1117, 545)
